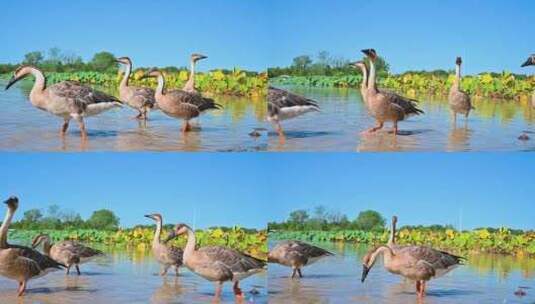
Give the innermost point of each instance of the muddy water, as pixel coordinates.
(25, 128)
(128, 276)
(493, 126)
(485, 279)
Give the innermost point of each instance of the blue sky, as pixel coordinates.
(488, 189)
(491, 35)
(205, 189)
(152, 33)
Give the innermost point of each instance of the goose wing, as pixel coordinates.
(278, 98)
(236, 261)
(82, 251)
(146, 95)
(175, 254)
(33, 261)
(79, 95)
(308, 250)
(197, 100)
(408, 105)
(441, 261)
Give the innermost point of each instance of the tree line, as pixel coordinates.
(56, 218)
(324, 64)
(57, 60)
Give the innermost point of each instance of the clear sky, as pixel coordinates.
(205, 189)
(152, 33)
(491, 35)
(485, 189)
(488, 189)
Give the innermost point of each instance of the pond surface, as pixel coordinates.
(485, 279)
(493, 126)
(25, 128)
(128, 276)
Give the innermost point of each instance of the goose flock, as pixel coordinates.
(382, 105)
(214, 263)
(416, 263)
(73, 100)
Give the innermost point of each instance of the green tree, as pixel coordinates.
(301, 63)
(370, 220)
(32, 216)
(298, 216)
(103, 62)
(103, 219)
(33, 58)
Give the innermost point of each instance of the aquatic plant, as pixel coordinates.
(501, 241)
(500, 86)
(253, 243)
(236, 82)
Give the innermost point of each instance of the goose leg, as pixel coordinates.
(379, 126)
(280, 131)
(186, 126)
(64, 127)
(68, 269)
(81, 124)
(164, 270)
(218, 288)
(395, 128)
(299, 272)
(176, 270)
(424, 283)
(237, 290)
(418, 288)
(293, 273)
(78, 269)
(22, 288)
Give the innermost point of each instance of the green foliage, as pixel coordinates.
(103, 219)
(324, 65)
(104, 62)
(250, 241)
(370, 220)
(501, 241)
(499, 86)
(33, 58)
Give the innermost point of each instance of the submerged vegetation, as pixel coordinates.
(102, 70)
(369, 228)
(325, 73)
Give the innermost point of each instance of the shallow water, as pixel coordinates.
(484, 279)
(493, 126)
(128, 276)
(25, 128)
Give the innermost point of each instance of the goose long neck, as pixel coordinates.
(364, 84)
(190, 84)
(391, 240)
(39, 85)
(161, 85)
(157, 233)
(371, 80)
(5, 227)
(387, 253)
(457, 75)
(126, 76)
(47, 245)
(190, 245)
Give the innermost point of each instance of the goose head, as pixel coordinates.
(151, 73)
(12, 203)
(155, 217)
(367, 264)
(458, 61)
(358, 64)
(40, 238)
(19, 74)
(124, 60)
(370, 53)
(181, 229)
(196, 57)
(530, 61)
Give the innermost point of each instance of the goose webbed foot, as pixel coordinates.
(186, 127)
